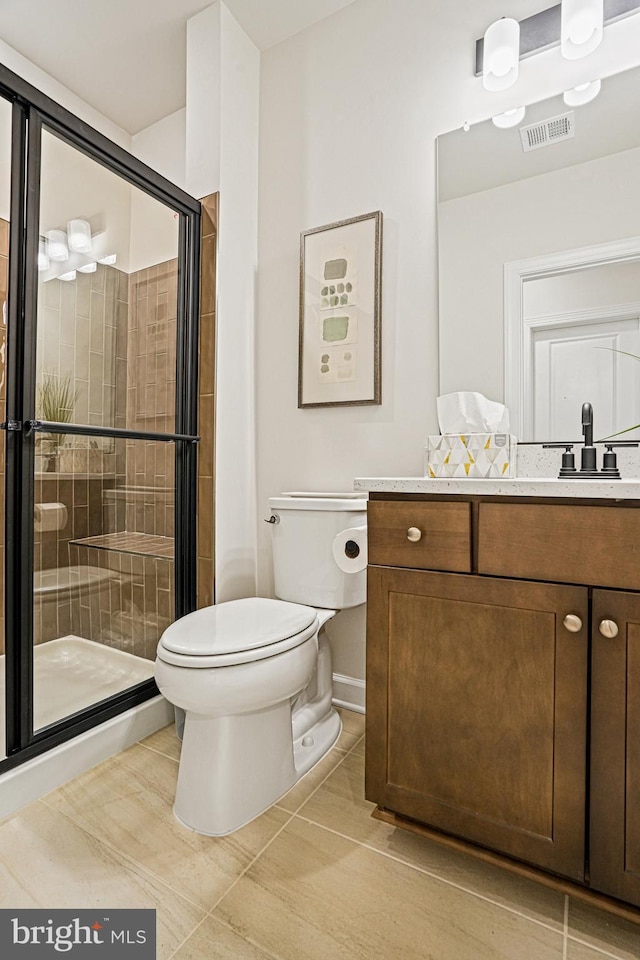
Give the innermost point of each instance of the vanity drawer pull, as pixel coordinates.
(425, 535)
(573, 623)
(608, 629)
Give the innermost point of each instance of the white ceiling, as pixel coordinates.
(126, 58)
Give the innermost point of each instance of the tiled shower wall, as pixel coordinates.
(131, 606)
(83, 496)
(136, 603)
(151, 393)
(82, 335)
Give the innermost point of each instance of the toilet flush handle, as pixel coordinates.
(274, 518)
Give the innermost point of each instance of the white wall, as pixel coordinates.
(154, 229)
(575, 207)
(30, 72)
(163, 146)
(204, 101)
(13, 60)
(350, 110)
(223, 78)
(236, 520)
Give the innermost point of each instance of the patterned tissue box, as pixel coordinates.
(478, 455)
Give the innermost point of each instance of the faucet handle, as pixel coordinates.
(568, 468)
(610, 461)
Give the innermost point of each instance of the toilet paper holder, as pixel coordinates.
(349, 549)
(49, 516)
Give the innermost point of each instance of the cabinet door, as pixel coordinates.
(476, 710)
(615, 746)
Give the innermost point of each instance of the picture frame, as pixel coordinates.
(339, 361)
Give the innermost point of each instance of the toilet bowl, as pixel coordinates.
(254, 677)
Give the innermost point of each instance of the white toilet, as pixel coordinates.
(254, 675)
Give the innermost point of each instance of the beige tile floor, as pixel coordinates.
(313, 878)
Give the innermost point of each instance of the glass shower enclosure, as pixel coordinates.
(98, 397)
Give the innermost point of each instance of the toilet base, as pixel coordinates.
(259, 751)
(316, 742)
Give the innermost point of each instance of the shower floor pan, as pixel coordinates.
(70, 674)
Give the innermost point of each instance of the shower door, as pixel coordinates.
(100, 425)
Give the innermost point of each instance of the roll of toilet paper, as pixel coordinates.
(350, 549)
(50, 516)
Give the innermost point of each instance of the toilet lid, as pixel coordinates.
(237, 626)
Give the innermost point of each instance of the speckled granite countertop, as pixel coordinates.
(518, 487)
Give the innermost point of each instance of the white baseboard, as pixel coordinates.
(36, 777)
(349, 692)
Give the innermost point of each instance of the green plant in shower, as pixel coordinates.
(55, 402)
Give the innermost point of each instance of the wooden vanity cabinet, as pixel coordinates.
(487, 693)
(615, 746)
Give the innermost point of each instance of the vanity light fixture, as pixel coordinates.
(79, 236)
(57, 248)
(510, 118)
(577, 26)
(581, 27)
(109, 260)
(583, 93)
(88, 267)
(501, 54)
(71, 275)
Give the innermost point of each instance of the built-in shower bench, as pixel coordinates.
(139, 544)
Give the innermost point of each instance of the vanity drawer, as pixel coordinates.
(570, 544)
(424, 535)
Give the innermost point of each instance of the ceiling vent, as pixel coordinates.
(547, 132)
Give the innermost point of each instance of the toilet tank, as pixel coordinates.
(302, 538)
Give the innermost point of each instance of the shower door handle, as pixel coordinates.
(85, 430)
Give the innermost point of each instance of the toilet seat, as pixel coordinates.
(237, 631)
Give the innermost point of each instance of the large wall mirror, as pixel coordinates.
(539, 263)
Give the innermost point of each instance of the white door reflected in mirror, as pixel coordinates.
(569, 336)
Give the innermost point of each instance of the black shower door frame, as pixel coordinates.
(31, 111)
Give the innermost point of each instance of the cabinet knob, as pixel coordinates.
(608, 629)
(414, 534)
(572, 623)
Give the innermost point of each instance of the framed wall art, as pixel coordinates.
(340, 295)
